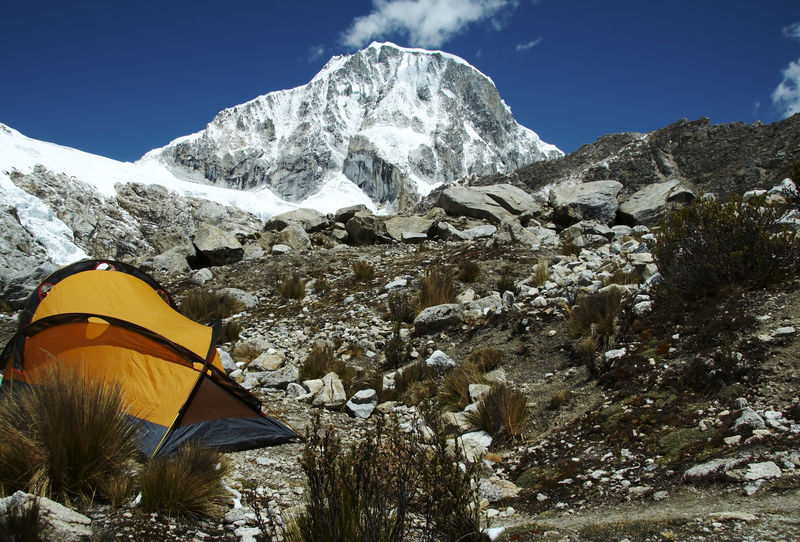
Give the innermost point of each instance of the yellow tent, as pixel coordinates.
(112, 320)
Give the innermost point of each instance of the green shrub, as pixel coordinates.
(707, 246)
(401, 308)
(66, 436)
(380, 490)
(363, 271)
(502, 413)
(593, 324)
(397, 351)
(187, 483)
(437, 288)
(293, 288)
(468, 271)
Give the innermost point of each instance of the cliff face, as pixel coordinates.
(393, 121)
(723, 158)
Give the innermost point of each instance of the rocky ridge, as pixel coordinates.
(724, 159)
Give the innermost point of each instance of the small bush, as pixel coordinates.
(293, 288)
(468, 271)
(20, 522)
(502, 413)
(454, 390)
(619, 276)
(318, 363)
(65, 436)
(207, 307)
(397, 351)
(363, 271)
(321, 286)
(569, 247)
(437, 288)
(558, 399)
(401, 308)
(541, 272)
(484, 359)
(119, 489)
(187, 483)
(380, 490)
(708, 245)
(593, 324)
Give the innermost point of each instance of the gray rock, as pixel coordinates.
(346, 213)
(413, 238)
(56, 522)
(486, 304)
(478, 232)
(309, 219)
(280, 378)
(247, 299)
(201, 276)
(462, 201)
(595, 200)
(438, 317)
(215, 246)
(295, 236)
(171, 263)
(496, 489)
(362, 403)
(267, 361)
(279, 249)
(747, 422)
(478, 391)
(440, 361)
(649, 205)
(294, 390)
(512, 199)
(332, 394)
(227, 361)
(364, 229)
(399, 225)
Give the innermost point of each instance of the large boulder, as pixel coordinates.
(596, 200)
(462, 201)
(295, 236)
(362, 403)
(512, 199)
(399, 225)
(364, 228)
(649, 205)
(438, 317)
(308, 219)
(215, 247)
(332, 394)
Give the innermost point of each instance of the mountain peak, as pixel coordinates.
(389, 121)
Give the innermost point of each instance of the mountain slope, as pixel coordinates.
(394, 121)
(723, 158)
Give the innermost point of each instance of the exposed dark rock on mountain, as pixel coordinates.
(723, 159)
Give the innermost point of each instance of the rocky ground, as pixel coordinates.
(639, 452)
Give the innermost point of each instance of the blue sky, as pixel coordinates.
(120, 78)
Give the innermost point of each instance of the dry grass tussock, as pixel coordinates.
(207, 307)
(69, 435)
(293, 288)
(437, 288)
(187, 483)
(503, 413)
(593, 324)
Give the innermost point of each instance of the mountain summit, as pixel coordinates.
(395, 122)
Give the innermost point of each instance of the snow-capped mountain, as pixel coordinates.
(396, 122)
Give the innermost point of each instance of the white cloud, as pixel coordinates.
(529, 45)
(427, 23)
(792, 31)
(315, 52)
(786, 97)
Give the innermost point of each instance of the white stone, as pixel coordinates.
(440, 361)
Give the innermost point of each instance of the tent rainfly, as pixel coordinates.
(114, 321)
